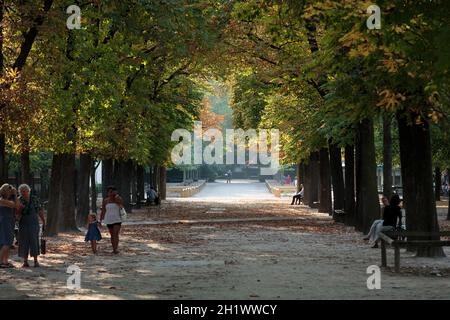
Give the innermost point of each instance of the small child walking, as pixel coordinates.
(93, 234)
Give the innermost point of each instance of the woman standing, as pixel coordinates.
(111, 215)
(8, 204)
(29, 212)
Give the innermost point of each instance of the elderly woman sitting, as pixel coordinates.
(8, 205)
(29, 212)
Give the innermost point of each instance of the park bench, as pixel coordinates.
(399, 239)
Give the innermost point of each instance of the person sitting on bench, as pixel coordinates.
(392, 218)
(152, 196)
(298, 197)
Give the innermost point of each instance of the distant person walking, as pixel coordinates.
(8, 205)
(93, 234)
(111, 216)
(288, 180)
(229, 174)
(29, 213)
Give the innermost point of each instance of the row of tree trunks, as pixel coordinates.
(387, 156)
(417, 175)
(325, 182)
(350, 205)
(367, 202)
(130, 180)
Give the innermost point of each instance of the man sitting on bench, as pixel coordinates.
(298, 197)
(153, 197)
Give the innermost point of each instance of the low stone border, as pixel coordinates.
(277, 190)
(186, 191)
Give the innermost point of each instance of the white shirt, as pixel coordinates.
(112, 214)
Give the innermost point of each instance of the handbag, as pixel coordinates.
(123, 214)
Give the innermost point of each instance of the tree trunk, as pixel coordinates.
(53, 208)
(387, 156)
(162, 182)
(437, 183)
(155, 177)
(93, 187)
(313, 180)
(107, 175)
(367, 201)
(350, 185)
(140, 184)
(325, 182)
(83, 177)
(337, 177)
(123, 182)
(417, 176)
(67, 192)
(300, 175)
(44, 185)
(307, 183)
(25, 171)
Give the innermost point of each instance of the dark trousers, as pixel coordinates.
(296, 199)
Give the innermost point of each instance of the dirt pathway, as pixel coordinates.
(307, 257)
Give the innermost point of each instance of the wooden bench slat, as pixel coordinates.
(417, 234)
(424, 243)
(386, 238)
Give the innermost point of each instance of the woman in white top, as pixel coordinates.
(111, 215)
